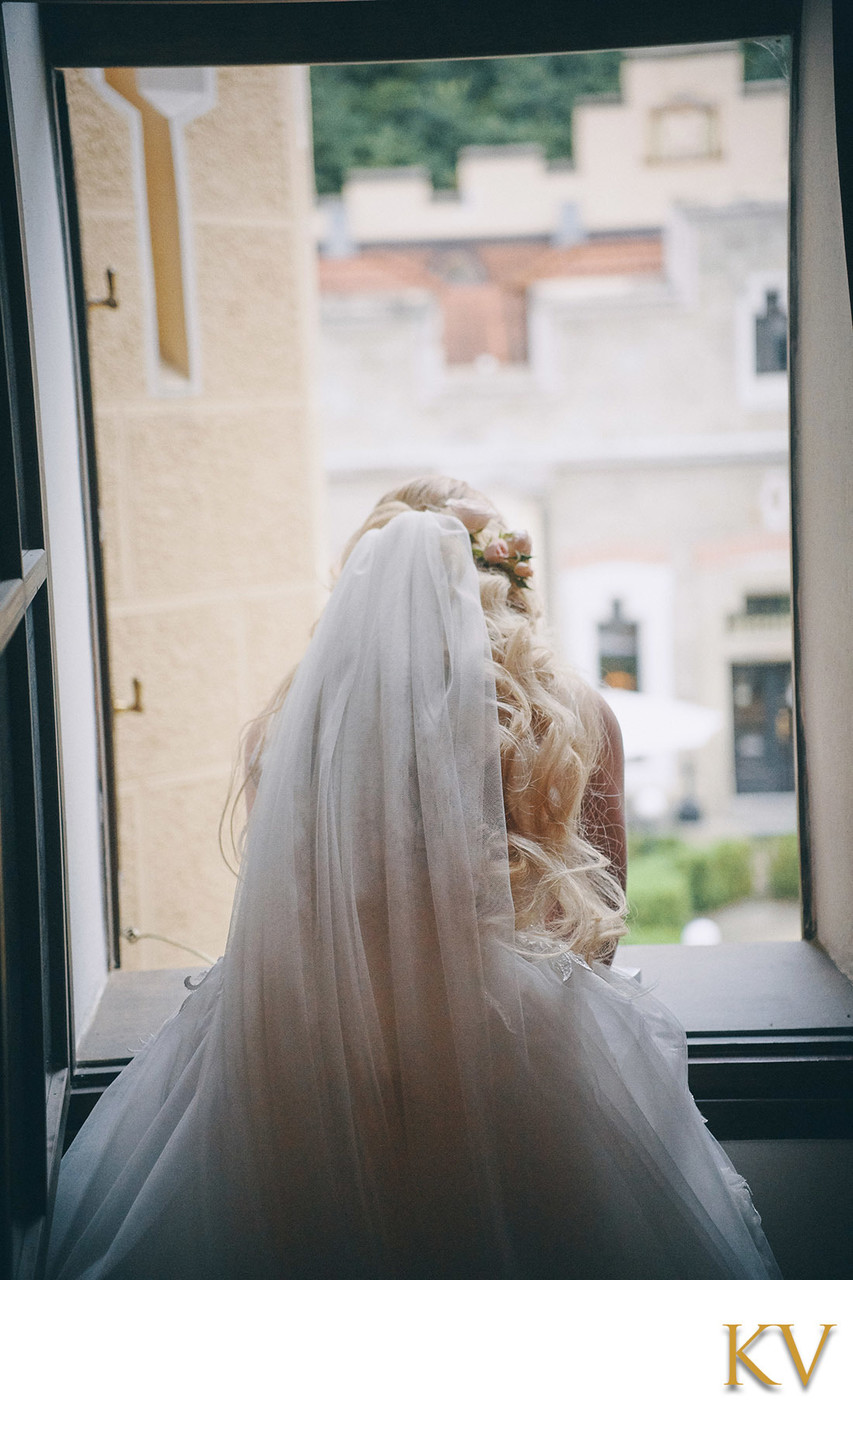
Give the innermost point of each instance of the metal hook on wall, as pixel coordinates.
(132, 707)
(111, 301)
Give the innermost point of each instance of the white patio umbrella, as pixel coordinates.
(653, 726)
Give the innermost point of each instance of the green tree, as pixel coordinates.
(424, 112)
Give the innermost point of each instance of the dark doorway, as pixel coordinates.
(763, 727)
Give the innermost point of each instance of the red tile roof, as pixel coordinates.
(485, 314)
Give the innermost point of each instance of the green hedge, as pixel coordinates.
(669, 881)
(719, 875)
(651, 936)
(658, 891)
(784, 875)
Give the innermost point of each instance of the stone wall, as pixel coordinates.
(210, 481)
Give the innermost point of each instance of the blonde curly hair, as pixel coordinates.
(551, 740)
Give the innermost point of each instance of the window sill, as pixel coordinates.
(769, 1028)
(740, 989)
(769, 1033)
(133, 1006)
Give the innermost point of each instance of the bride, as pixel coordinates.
(414, 1060)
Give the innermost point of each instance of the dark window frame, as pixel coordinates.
(35, 1017)
(91, 507)
(310, 32)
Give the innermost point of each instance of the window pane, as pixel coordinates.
(572, 292)
(563, 279)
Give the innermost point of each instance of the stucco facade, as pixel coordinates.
(210, 481)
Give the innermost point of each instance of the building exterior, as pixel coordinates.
(603, 349)
(195, 188)
(682, 127)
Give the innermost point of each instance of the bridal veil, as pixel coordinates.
(379, 1079)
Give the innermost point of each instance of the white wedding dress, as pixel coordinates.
(379, 1079)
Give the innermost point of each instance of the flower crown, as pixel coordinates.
(509, 552)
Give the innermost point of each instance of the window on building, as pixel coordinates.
(771, 336)
(684, 130)
(761, 339)
(619, 651)
(767, 605)
(762, 699)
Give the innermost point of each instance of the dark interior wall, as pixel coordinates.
(802, 1192)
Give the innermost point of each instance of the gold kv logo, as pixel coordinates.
(737, 1352)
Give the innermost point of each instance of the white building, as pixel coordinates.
(683, 127)
(603, 349)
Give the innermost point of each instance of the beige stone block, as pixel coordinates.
(237, 153)
(188, 661)
(251, 316)
(220, 500)
(190, 887)
(101, 140)
(117, 337)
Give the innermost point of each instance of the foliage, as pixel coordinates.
(640, 936)
(645, 844)
(424, 112)
(784, 874)
(718, 875)
(671, 881)
(658, 892)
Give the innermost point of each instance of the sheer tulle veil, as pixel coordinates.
(379, 1078)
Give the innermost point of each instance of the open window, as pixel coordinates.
(770, 1026)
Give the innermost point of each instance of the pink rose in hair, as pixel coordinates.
(496, 551)
(474, 515)
(523, 570)
(519, 543)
